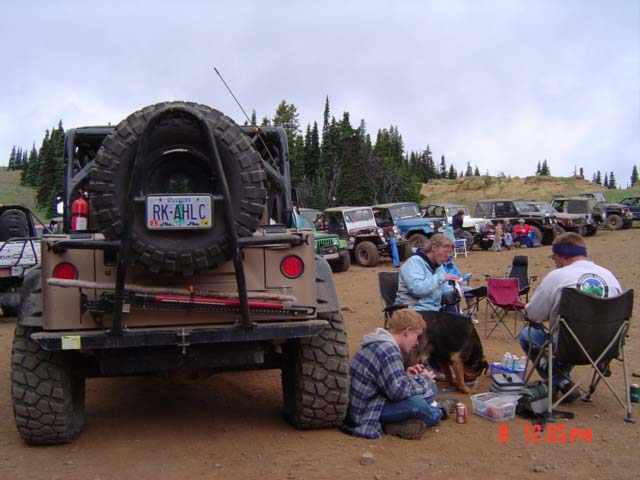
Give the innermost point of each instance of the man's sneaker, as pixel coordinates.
(448, 406)
(410, 429)
(474, 319)
(563, 387)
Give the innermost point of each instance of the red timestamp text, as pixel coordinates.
(553, 433)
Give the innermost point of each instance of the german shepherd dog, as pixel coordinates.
(451, 339)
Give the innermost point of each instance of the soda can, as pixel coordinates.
(634, 393)
(461, 413)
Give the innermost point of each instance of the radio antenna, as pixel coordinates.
(234, 97)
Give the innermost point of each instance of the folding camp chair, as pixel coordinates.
(388, 285)
(590, 331)
(502, 298)
(459, 244)
(520, 270)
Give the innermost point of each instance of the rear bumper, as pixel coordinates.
(182, 336)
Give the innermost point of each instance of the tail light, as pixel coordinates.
(292, 266)
(65, 271)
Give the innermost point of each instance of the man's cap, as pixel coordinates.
(521, 220)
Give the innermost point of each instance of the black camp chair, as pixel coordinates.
(388, 284)
(520, 270)
(590, 331)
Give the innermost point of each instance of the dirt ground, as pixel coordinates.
(229, 426)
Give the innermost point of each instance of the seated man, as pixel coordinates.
(573, 269)
(423, 280)
(382, 392)
(521, 234)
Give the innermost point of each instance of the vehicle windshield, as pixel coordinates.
(401, 212)
(306, 223)
(360, 215)
(524, 207)
(544, 208)
(451, 211)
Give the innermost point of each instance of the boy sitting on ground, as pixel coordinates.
(383, 393)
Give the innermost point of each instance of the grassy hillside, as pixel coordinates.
(11, 192)
(468, 190)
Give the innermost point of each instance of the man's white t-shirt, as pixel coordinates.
(583, 275)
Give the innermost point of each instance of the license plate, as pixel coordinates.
(178, 212)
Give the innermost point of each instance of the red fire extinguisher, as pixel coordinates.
(79, 213)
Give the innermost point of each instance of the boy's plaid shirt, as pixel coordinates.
(377, 376)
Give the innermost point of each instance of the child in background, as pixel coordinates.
(497, 240)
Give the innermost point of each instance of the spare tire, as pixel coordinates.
(176, 161)
(13, 224)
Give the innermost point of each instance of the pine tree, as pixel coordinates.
(12, 158)
(598, 178)
(538, 169)
(581, 172)
(634, 176)
(452, 173)
(44, 179)
(57, 149)
(612, 181)
(442, 171)
(476, 172)
(606, 181)
(254, 120)
(544, 170)
(469, 172)
(27, 166)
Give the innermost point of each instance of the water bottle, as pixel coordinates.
(507, 360)
(515, 363)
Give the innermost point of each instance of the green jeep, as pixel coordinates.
(328, 245)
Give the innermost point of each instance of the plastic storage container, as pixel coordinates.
(495, 407)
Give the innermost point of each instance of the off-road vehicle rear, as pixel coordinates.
(20, 230)
(573, 214)
(614, 216)
(187, 263)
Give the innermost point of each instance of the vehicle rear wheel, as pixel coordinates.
(343, 263)
(176, 161)
(367, 254)
(48, 398)
(315, 381)
(614, 222)
(418, 240)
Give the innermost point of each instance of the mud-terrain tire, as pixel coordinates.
(343, 263)
(614, 222)
(177, 162)
(13, 224)
(418, 240)
(367, 254)
(48, 399)
(315, 380)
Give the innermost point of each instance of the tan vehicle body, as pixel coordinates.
(62, 305)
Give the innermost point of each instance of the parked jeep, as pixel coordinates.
(20, 230)
(543, 224)
(186, 263)
(612, 215)
(572, 214)
(329, 246)
(634, 206)
(472, 226)
(366, 240)
(409, 221)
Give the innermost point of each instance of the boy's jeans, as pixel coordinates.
(413, 407)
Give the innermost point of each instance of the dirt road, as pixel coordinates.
(229, 426)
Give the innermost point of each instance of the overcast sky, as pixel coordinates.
(500, 84)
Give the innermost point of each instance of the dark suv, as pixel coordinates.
(543, 224)
(634, 206)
